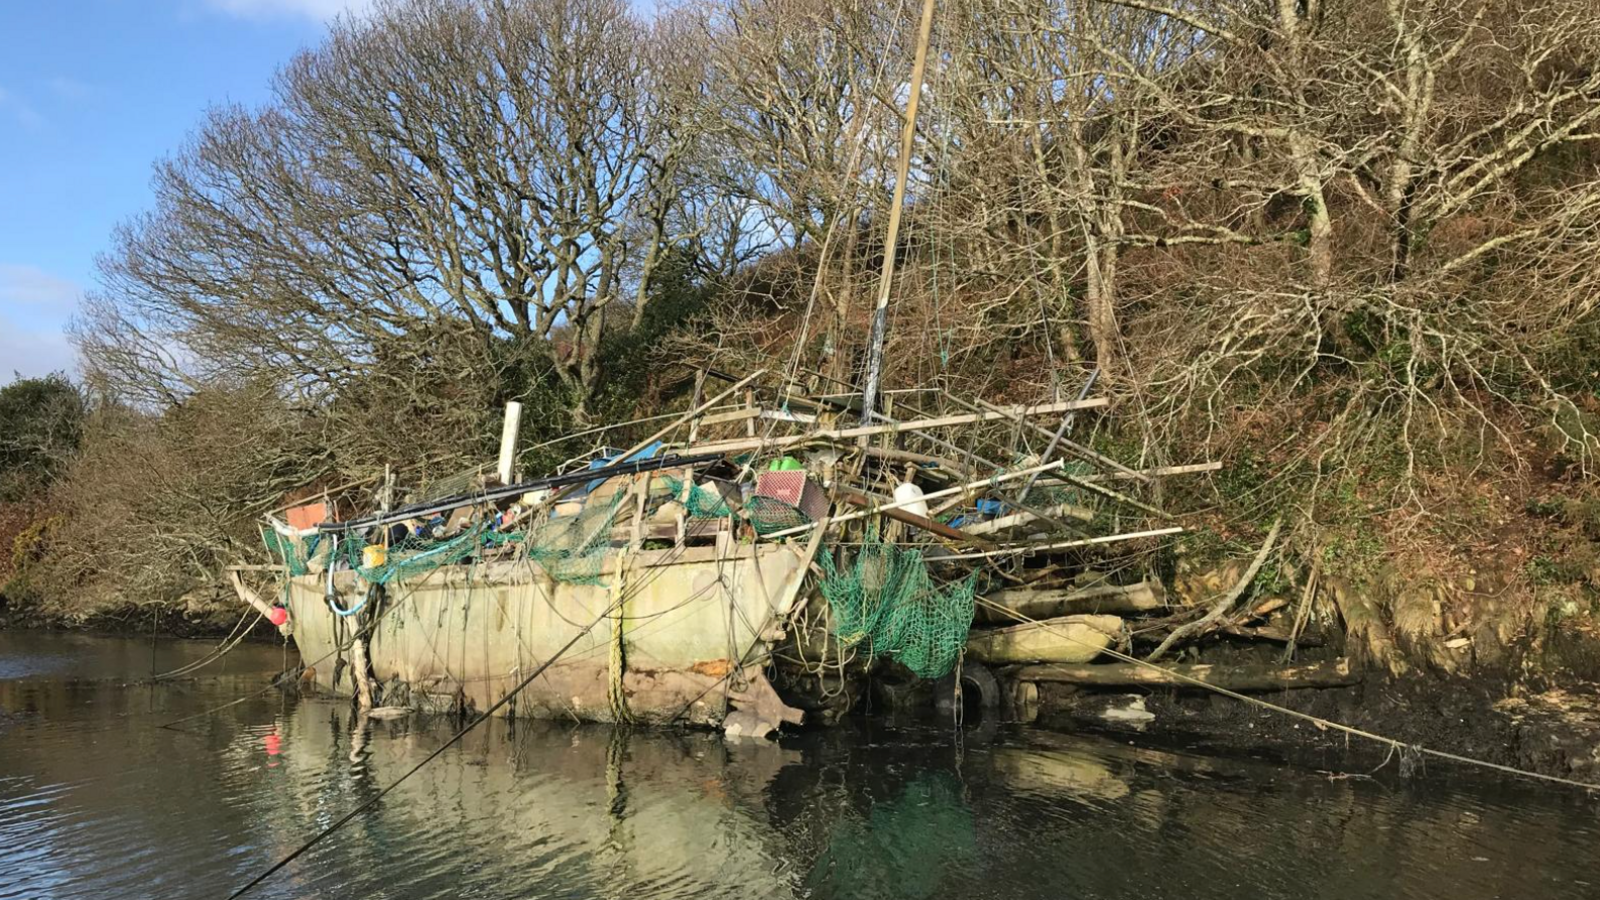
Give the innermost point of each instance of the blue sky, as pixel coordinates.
(92, 93)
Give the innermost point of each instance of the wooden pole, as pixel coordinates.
(1245, 678)
(699, 394)
(914, 520)
(1161, 471)
(508, 442)
(908, 134)
(1068, 545)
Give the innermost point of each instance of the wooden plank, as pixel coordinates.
(791, 591)
(737, 415)
(780, 415)
(1158, 472)
(746, 415)
(1068, 545)
(1337, 673)
(847, 434)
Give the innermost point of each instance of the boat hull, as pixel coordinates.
(467, 634)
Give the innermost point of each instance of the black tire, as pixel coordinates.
(979, 690)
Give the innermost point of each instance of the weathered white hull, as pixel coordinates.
(475, 632)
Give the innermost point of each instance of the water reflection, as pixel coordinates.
(95, 801)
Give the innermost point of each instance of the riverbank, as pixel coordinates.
(138, 621)
(1541, 726)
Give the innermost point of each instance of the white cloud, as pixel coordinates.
(30, 353)
(321, 10)
(34, 309)
(22, 285)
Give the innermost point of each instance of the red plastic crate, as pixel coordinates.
(795, 489)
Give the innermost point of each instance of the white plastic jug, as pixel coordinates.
(907, 492)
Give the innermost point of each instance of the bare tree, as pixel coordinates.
(495, 163)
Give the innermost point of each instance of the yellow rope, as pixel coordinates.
(616, 697)
(1318, 721)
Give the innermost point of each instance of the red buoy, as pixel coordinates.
(278, 615)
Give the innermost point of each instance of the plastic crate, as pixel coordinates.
(795, 489)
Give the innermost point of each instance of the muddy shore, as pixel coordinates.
(1547, 728)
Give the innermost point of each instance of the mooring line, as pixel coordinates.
(221, 650)
(337, 649)
(1318, 721)
(430, 757)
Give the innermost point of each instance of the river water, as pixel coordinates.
(97, 800)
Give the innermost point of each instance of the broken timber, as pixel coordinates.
(1035, 603)
(1337, 673)
(847, 434)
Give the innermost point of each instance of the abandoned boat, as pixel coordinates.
(735, 579)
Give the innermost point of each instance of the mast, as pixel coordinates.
(880, 317)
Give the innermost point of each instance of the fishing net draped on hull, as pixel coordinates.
(886, 601)
(570, 548)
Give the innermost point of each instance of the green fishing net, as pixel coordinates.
(702, 503)
(885, 601)
(292, 551)
(769, 514)
(412, 557)
(570, 548)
